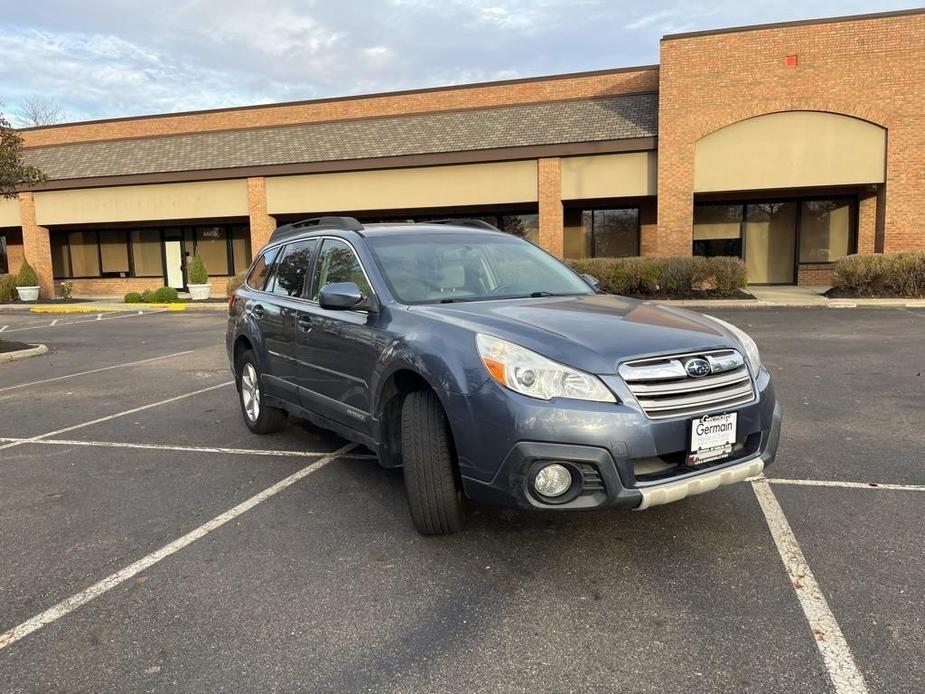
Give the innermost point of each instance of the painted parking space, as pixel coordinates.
(74, 515)
(324, 585)
(865, 547)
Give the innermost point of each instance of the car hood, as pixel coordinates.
(593, 333)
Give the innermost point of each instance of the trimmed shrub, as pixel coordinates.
(234, 282)
(132, 298)
(882, 274)
(7, 288)
(673, 277)
(26, 276)
(197, 271)
(164, 295)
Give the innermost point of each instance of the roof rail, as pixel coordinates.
(464, 222)
(345, 223)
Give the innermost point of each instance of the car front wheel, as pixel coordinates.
(427, 458)
(259, 417)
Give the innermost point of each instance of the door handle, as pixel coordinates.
(257, 311)
(304, 323)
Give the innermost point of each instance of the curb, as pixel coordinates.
(831, 303)
(139, 306)
(23, 353)
(70, 309)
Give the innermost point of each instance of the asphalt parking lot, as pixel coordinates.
(149, 542)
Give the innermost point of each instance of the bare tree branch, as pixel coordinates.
(40, 110)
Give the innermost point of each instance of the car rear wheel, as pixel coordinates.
(259, 417)
(434, 497)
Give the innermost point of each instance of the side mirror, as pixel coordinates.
(343, 296)
(592, 281)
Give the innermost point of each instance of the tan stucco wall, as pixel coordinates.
(143, 203)
(435, 186)
(788, 150)
(9, 212)
(609, 176)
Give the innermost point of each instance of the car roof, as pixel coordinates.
(388, 228)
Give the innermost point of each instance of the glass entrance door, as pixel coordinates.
(770, 242)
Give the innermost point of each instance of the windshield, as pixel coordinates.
(447, 267)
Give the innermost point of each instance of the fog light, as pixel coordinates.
(553, 480)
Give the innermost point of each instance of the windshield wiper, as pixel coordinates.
(534, 295)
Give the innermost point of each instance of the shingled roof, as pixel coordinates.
(592, 120)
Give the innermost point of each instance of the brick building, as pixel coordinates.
(789, 145)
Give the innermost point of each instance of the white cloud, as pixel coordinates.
(115, 57)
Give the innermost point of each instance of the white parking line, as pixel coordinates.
(83, 597)
(849, 485)
(53, 323)
(3, 327)
(839, 661)
(89, 320)
(107, 418)
(96, 371)
(184, 449)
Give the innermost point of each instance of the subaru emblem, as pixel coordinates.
(697, 368)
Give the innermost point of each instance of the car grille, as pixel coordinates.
(664, 388)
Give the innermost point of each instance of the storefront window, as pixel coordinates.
(770, 240)
(85, 258)
(610, 233)
(140, 252)
(212, 245)
(718, 230)
(60, 255)
(825, 230)
(146, 253)
(240, 248)
(114, 253)
(526, 226)
(4, 263)
(774, 231)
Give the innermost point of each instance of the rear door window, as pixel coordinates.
(257, 277)
(290, 270)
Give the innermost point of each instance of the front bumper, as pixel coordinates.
(602, 456)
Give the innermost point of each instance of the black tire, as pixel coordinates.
(258, 416)
(427, 458)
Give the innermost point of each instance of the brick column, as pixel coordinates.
(675, 230)
(549, 195)
(867, 223)
(36, 245)
(261, 223)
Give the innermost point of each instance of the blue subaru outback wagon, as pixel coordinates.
(489, 370)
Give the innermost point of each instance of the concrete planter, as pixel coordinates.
(28, 293)
(199, 292)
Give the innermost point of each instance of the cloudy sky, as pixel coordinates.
(106, 58)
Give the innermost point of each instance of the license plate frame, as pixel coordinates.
(712, 437)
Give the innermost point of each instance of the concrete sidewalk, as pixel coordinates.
(795, 297)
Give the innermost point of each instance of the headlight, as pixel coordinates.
(748, 344)
(532, 374)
